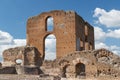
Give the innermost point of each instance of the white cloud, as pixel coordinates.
(50, 47)
(7, 41)
(114, 33)
(100, 35)
(115, 49)
(5, 38)
(19, 42)
(109, 19)
(99, 45)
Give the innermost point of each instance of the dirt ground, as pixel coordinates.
(18, 77)
(36, 77)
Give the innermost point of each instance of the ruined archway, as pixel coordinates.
(50, 47)
(64, 71)
(80, 69)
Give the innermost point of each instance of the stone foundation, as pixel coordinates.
(28, 70)
(8, 70)
(78, 64)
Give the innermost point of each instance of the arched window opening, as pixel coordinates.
(78, 44)
(86, 30)
(50, 25)
(50, 47)
(81, 45)
(19, 61)
(80, 69)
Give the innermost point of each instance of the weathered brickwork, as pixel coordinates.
(71, 31)
(76, 57)
(28, 55)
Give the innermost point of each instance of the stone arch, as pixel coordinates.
(49, 24)
(64, 70)
(80, 69)
(49, 36)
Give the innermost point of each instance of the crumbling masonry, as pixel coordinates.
(71, 31)
(76, 57)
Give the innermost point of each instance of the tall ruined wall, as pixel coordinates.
(68, 29)
(84, 33)
(64, 31)
(89, 37)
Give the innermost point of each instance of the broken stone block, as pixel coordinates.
(27, 70)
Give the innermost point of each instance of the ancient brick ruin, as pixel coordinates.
(76, 57)
(71, 31)
(30, 56)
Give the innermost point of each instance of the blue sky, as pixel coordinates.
(99, 13)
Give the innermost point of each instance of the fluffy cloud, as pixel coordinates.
(99, 45)
(7, 41)
(109, 19)
(115, 49)
(50, 47)
(5, 38)
(100, 37)
(114, 33)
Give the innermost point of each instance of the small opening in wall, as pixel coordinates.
(86, 38)
(50, 25)
(64, 71)
(78, 44)
(80, 69)
(19, 61)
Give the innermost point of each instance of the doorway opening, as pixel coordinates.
(50, 47)
(80, 69)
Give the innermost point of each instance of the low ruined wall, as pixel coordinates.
(77, 64)
(97, 63)
(8, 70)
(28, 70)
(30, 56)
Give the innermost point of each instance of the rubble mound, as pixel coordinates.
(93, 63)
(77, 64)
(81, 64)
